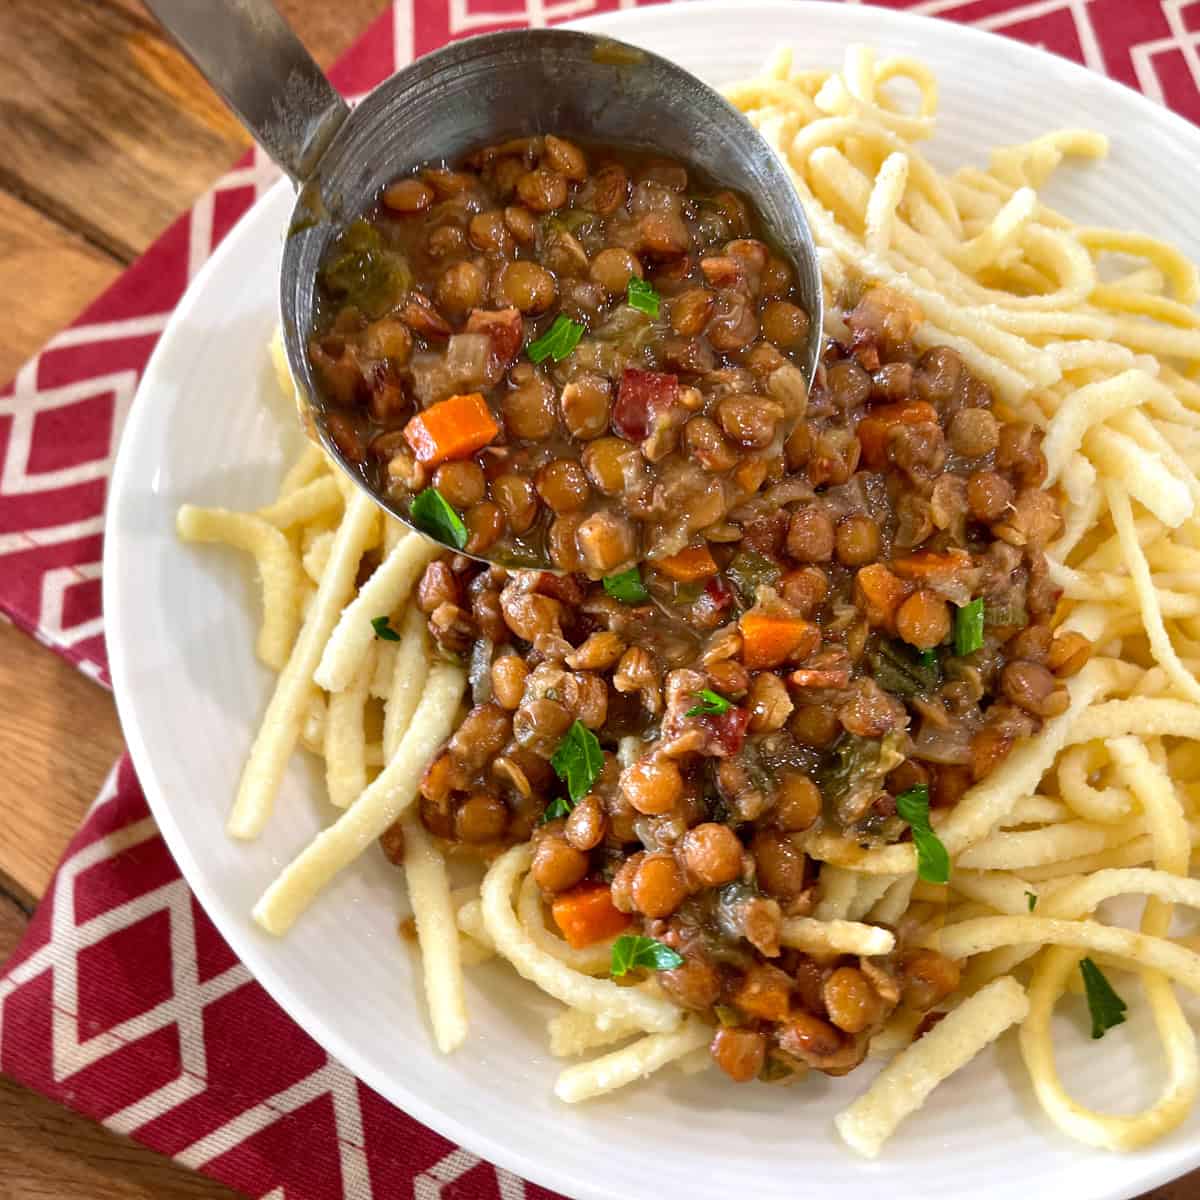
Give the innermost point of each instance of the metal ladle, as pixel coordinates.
(471, 93)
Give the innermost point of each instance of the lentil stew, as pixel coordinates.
(870, 635)
(590, 355)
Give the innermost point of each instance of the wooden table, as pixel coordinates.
(109, 134)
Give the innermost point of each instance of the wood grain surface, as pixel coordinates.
(109, 133)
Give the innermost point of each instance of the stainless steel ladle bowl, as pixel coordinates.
(470, 93)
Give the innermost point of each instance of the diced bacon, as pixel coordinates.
(719, 592)
(507, 331)
(728, 730)
(642, 395)
(423, 319)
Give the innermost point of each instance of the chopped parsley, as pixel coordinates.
(1031, 900)
(903, 671)
(749, 571)
(933, 861)
(383, 629)
(641, 295)
(632, 950)
(578, 760)
(558, 807)
(968, 627)
(1106, 1007)
(712, 704)
(558, 341)
(432, 514)
(627, 587)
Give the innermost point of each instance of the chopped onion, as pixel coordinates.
(479, 671)
(467, 358)
(431, 381)
(949, 746)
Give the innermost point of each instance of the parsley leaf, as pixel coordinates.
(1031, 898)
(633, 950)
(627, 587)
(431, 513)
(558, 807)
(1106, 1007)
(383, 629)
(903, 671)
(641, 295)
(712, 704)
(968, 627)
(578, 760)
(933, 862)
(558, 341)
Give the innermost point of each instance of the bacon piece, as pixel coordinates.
(641, 396)
(507, 331)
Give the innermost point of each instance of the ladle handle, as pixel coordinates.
(250, 55)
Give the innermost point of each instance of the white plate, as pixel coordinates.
(181, 624)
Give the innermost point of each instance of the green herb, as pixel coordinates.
(968, 627)
(571, 221)
(774, 1070)
(431, 512)
(383, 629)
(851, 777)
(1106, 1007)
(627, 587)
(578, 760)
(1031, 900)
(749, 571)
(899, 669)
(558, 341)
(642, 296)
(712, 704)
(633, 950)
(933, 862)
(363, 271)
(558, 807)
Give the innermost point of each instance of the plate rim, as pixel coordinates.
(542, 1172)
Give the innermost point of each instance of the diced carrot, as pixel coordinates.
(874, 428)
(688, 566)
(586, 914)
(928, 564)
(770, 638)
(451, 428)
(880, 594)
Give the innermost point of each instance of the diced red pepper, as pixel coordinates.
(641, 396)
(729, 729)
(718, 590)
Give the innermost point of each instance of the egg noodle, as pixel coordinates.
(1089, 332)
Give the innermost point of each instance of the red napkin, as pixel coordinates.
(122, 1001)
